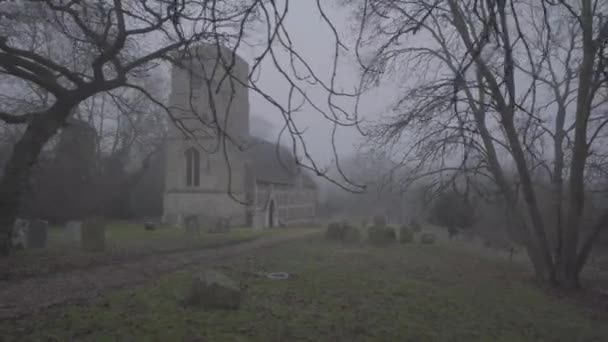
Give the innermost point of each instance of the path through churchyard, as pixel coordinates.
(18, 298)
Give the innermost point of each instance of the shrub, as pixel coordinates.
(416, 226)
(406, 235)
(379, 235)
(379, 220)
(427, 239)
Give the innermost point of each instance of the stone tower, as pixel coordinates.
(210, 109)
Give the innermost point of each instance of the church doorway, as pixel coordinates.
(271, 214)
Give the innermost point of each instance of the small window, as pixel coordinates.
(193, 161)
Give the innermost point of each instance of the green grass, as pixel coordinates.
(338, 293)
(123, 241)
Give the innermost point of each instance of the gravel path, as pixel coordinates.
(34, 294)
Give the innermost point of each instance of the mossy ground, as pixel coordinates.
(338, 292)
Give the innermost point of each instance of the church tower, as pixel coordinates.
(209, 106)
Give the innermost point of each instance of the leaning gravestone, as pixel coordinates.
(73, 231)
(94, 235)
(37, 234)
(214, 290)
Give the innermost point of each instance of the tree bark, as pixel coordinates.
(19, 166)
(569, 272)
(536, 243)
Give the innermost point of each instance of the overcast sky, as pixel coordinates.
(314, 40)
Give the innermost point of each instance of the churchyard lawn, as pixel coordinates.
(337, 292)
(124, 241)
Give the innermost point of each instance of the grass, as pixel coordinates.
(337, 293)
(123, 241)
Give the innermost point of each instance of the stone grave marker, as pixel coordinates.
(149, 226)
(94, 235)
(192, 224)
(37, 234)
(221, 225)
(73, 231)
(214, 290)
(19, 236)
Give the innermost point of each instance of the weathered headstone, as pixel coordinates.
(73, 231)
(20, 232)
(221, 225)
(192, 225)
(94, 235)
(427, 239)
(37, 234)
(214, 290)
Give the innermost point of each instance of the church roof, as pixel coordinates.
(274, 164)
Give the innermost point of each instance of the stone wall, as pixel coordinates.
(204, 204)
(294, 204)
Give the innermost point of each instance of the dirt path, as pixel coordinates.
(35, 294)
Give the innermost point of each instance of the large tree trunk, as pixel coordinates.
(569, 271)
(19, 167)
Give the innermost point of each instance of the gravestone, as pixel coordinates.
(427, 239)
(19, 236)
(73, 231)
(192, 225)
(214, 290)
(149, 226)
(221, 225)
(37, 234)
(94, 235)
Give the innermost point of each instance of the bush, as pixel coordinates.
(379, 220)
(416, 226)
(379, 235)
(427, 239)
(406, 235)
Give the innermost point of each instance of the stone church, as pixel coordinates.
(215, 169)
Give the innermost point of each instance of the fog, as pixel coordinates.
(364, 170)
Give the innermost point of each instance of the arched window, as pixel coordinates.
(193, 162)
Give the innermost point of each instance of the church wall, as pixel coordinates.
(196, 107)
(205, 205)
(194, 114)
(214, 174)
(294, 204)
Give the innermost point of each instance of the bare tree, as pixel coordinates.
(71, 51)
(496, 82)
